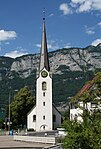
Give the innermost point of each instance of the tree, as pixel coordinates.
(85, 135)
(1, 123)
(21, 105)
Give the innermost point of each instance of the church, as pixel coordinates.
(44, 116)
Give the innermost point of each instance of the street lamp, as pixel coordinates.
(9, 116)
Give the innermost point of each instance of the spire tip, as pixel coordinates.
(44, 14)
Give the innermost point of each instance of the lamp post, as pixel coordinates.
(9, 113)
(9, 116)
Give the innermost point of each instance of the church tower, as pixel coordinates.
(44, 116)
(44, 88)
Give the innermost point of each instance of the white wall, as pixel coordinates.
(47, 140)
(77, 112)
(47, 109)
(30, 123)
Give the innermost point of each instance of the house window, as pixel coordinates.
(71, 116)
(43, 127)
(76, 116)
(44, 86)
(93, 105)
(34, 118)
(54, 118)
(72, 106)
(43, 93)
(43, 103)
(44, 117)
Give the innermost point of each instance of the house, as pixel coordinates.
(77, 106)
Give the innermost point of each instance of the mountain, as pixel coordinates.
(71, 68)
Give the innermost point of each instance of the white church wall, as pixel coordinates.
(30, 123)
(44, 104)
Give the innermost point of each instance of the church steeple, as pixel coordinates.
(41, 116)
(44, 61)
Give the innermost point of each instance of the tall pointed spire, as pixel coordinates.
(44, 62)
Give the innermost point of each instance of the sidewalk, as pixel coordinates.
(8, 142)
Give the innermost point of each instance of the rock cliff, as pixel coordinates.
(71, 68)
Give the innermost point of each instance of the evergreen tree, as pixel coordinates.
(21, 105)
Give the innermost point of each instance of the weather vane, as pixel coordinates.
(43, 13)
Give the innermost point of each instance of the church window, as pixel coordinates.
(34, 118)
(54, 118)
(44, 117)
(43, 93)
(43, 103)
(44, 86)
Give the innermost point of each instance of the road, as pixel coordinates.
(8, 142)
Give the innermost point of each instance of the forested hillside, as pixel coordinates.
(70, 69)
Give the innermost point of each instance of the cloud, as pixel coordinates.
(65, 9)
(55, 45)
(15, 53)
(96, 42)
(86, 5)
(77, 1)
(99, 24)
(67, 45)
(51, 15)
(96, 4)
(90, 30)
(51, 44)
(80, 6)
(38, 45)
(7, 35)
(7, 43)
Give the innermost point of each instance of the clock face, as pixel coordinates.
(44, 74)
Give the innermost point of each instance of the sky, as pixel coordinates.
(69, 23)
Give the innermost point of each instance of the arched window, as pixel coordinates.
(44, 86)
(43, 117)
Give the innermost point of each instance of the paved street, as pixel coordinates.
(8, 142)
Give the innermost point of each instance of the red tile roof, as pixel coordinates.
(87, 86)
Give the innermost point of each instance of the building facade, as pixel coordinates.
(76, 112)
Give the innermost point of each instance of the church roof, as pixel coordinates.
(44, 61)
